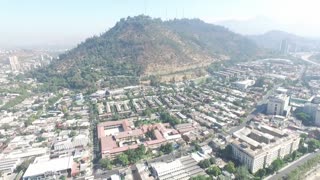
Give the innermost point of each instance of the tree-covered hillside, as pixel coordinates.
(142, 46)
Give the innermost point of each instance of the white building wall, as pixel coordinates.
(266, 158)
(317, 117)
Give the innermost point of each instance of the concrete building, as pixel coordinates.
(14, 63)
(46, 168)
(183, 168)
(284, 47)
(9, 165)
(313, 110)
(206, 149)
(278, 105)
(69, 146)
(244, 84)
(257, 147)
(26, 153)
(118, 136)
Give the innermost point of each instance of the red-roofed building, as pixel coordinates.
(117, 137)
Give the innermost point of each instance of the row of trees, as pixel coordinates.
(207, 163)
(305, 118)
(279, 163)
(201, 177)
(300, 171)
(241, 173)
(167, 118)
(216, 171)
(17, 100)
(130, 156)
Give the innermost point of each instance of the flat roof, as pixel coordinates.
(274, 130)
(39, 168)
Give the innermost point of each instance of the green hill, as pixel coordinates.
(142, 47)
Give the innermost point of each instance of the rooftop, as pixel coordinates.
(117, 142)
(182, 168)
(43, 164)
(256, 140)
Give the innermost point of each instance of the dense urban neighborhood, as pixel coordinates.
(159, 90)
(248, 120)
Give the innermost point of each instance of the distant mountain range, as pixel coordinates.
(142, 47)
(251, 26)
(273, 39)
(269, 34)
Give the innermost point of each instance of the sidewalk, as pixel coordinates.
(314, 173)
(287, 166)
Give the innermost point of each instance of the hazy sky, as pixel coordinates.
(43, 22)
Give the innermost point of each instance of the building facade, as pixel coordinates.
(278, 105)
(313, 110)
(258, 148)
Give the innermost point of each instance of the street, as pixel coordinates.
(260, 108)
(290, 167)
(306, 57)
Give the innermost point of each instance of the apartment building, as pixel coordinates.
(257, 147)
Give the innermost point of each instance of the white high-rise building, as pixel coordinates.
(313, 110)
(317, 117)
(14, 63)
(278, 105)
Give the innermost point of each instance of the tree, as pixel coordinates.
(40, 139)
(276, 165)
(197, 147)
(242, 173)
(150, 134)
(5, 126)
(305, 118)
(154, 80)
(204, 164)
(303, 136)
(78, 116)
(27, 122)
(294, 155)
(105, 163)
(24, 165)
(167, 148)
(122, 159)
(313, 144)
(133, 157)
(212, 160)
(302, 149)
(259, 82)
(147, 113)
(165, 117)
(200, 177)
(261, 172)
(214, 170)
(226, 152)
(72, 133)
(140, 151)
(230, 167)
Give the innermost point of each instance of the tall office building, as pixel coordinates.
(14, 63)
(284, 47)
